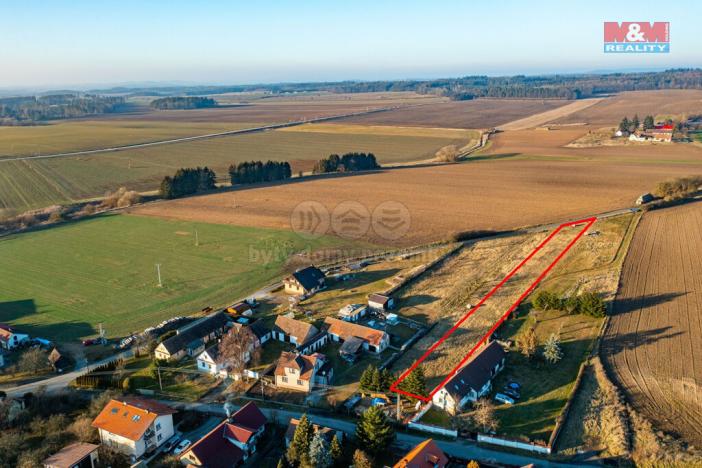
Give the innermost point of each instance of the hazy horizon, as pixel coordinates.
(83, 44)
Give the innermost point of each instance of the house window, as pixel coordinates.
(299, 382)
(285, 379)
(158, 426)
(159, 437)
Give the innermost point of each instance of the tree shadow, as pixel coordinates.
(630, 341)
(623, 306)
(33, 323)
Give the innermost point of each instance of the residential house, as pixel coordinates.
(300, 372)
(304, 282)
(10, 338)
(352, 312)
(375, 341)
(135, 426)
(293, 331)
(351, 348)
(326, 432)
(77, 455)
(191, 340)
(259, 330)
(230, 443)
(473, 380)
(380, 302)
(425, 455)
(207, 362)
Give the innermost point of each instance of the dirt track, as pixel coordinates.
(653, 345)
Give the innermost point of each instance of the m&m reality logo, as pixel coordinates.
(636, 37)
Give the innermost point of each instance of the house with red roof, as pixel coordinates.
(425, 455)
(135, 426)
(230, 443)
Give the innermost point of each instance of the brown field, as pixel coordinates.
(488, 193)
(652, 343)
(277, 109)
(478, 113)
(661, 103)
(549, 115)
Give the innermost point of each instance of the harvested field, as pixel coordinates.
(41, 182)
(490, 193)
(478, 113)
(610, 111)
(651, 345)
(553, 114)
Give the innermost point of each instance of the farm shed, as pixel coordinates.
(380, 302)
(472, 381)
(352, 312)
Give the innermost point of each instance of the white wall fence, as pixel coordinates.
(433, 429)
(422, 412)
(514, 444)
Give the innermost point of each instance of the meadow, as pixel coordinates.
(36, 183)
(60, 282)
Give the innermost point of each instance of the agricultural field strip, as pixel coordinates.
(195, 137)
(588, 222)
(549, 115)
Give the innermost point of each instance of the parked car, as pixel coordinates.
(502, 398)
(170, 443)
(514, 386)
(180, 448)
(89, 342)
(511, 393)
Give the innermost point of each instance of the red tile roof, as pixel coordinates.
(425, 455)
(305, 364)
(346, 330)
(130, 418)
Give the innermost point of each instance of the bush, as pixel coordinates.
(678, 188)
(591, 304)
(546, 300)
(447, 154)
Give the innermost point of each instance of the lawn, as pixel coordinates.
(545, 387)
(61, 282)
(37, 183)
(186, 385)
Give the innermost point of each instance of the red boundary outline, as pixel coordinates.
(588, 222)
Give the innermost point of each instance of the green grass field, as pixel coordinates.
(59, 283)
(41, 182)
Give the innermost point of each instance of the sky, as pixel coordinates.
(59, 43)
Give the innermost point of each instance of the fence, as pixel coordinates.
(514, 444)
(433, 429)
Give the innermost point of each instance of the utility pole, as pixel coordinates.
(399, 411)
(160, 385)
(197, 239)
(158, 272)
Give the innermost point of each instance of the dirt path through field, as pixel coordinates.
(550, 115)
(653, 345)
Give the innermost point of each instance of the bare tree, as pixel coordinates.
(447, 154)
(527, 342)
(483, 414)
(33, 360)
(237, 349)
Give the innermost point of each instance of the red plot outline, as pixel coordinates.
(588, 222)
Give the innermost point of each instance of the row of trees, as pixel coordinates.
(187, 182)
(588, 303)
(349, 162)
(678, 188)
(181, 102)
(310, 449)
(258, 171)
(105, 376)
(374, 380)
(54, 107)
(632, 125)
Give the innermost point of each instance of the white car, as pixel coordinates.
(502, 398)
(180, 448)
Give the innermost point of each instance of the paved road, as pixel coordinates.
(61, 381)
(461, 449)
(242, 131)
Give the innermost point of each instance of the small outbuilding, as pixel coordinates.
(380, 302)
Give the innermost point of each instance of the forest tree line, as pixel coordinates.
(251, 172)
(188, 181)
(28, 109)
(349, 162)
(183, 102)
